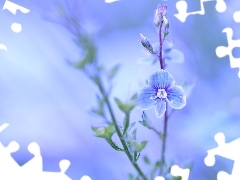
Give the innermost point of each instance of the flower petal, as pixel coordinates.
(175, 55)
(160, 108)
(145, 98)
(150, 59)
(167, 45)
(176, 97)
(161, 79)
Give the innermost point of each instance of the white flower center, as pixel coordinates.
(161, 93)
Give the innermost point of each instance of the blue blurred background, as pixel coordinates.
(47, 101)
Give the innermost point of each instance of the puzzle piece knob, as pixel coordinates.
(236, 16)
(209, 160)
(13, 146)
(221, 6)
(220, 138)
(88, 178)
(64, 164)
(34, 148)
(221, 51)
(223, 176)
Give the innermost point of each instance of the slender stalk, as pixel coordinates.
(160, 47)
(163, 163)
(124, 144)
(162, 66)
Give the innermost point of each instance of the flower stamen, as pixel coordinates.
(161, 93)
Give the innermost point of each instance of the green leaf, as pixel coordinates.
(98, 112)
(145, 121)
(113, 71)
(89, 49)
(80, 64)
(138, 147)
(104, 132)
(134, 134)
(114, 145)
(100, 68)
(161, 135)
(177, 178)
(131, 126)
(165, 34)
(100, 109)
(125, 107)
(134, 97)
(155, 168)
(136, 156)
(130, 176)
(146, 160)
(126, 124)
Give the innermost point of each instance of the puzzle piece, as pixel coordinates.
(7, 163)
(15, 27)
(3, 126)
(159, 178)
(110, 1)
(85, 178)
(177, 171)
(3, 47)
(33, 169)
(12, 7)
(33, 166)
(236, 16)
(228, 150)
(182, 7)
(222, 51)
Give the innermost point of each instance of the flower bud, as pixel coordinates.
(160, 14)
(145, 42)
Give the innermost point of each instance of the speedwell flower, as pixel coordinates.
(159, 91)
(168, 54)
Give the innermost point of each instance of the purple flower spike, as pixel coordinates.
(160, 91)
(160, 14)
(162, 10)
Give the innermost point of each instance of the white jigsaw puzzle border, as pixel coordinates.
(33, 169)
(221, 6)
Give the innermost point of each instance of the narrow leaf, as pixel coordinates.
(131, 126)
(114, 145)
(113, 71)
(146, 160)
(125, 107)
(134, 134)
(136, 156)
(97, 111)
(138, 147)
(104, 132)
(126, 124)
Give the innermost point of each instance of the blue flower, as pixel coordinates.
(159, 91)
(168, 54)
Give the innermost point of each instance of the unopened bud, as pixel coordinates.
(145, 42)
(160, 14)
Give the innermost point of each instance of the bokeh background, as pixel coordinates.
(47, 101)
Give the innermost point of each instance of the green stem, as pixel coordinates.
(163, 161)
(124, 144)
(162, 66)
